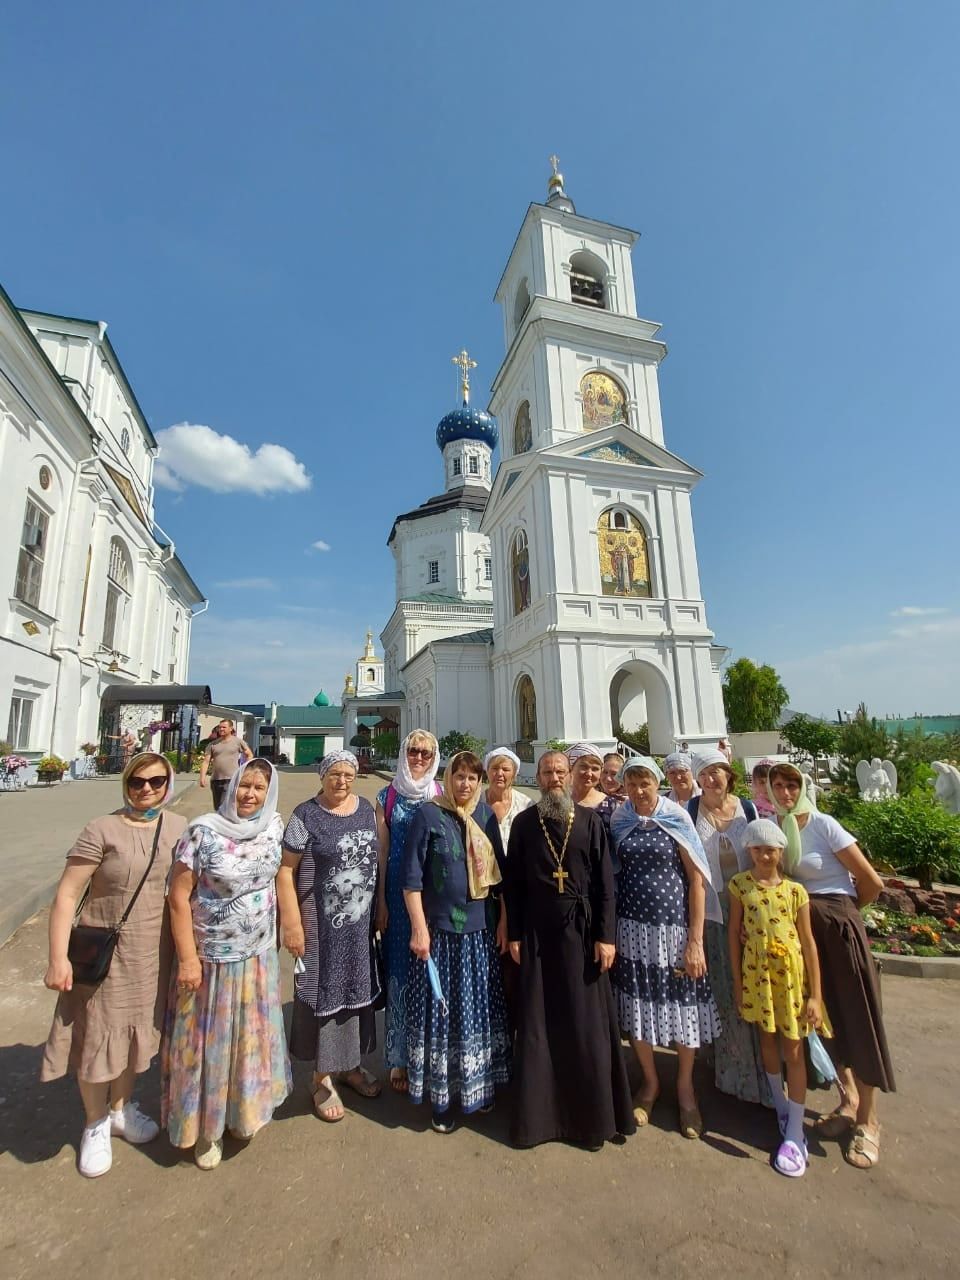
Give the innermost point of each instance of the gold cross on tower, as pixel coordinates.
(465, 364)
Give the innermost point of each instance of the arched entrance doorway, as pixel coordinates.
(639, 695)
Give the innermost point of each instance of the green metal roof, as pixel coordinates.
(483, 636)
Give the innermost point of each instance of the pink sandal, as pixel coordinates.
(790, 1160)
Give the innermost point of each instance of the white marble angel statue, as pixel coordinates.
(877, 779)
(946, 785)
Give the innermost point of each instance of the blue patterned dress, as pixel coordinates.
(396, 941)
(656, 1000)
(458, 1048)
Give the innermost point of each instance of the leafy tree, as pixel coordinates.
(753, 696)
(386, 745)
(912, 834)
(455, 741)
(810, 737)
(638, 739)
(861, 738)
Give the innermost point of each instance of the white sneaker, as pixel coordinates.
(129, 1122)
(96, 1153)
(206, 1154)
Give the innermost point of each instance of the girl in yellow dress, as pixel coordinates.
(776, 978)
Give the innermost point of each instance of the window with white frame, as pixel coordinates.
(473, 464)
(19, 722)
(118, 594)
(488, 569)
(33, 542)
(457, 467)
(433, 571)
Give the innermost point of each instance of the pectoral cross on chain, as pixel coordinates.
(560, 876)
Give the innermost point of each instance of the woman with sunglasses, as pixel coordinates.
(108, 1034)
(413, 783)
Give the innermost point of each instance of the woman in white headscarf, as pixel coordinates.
(586, 765)
(678, 767)
(413, 783)
(721, 819)
(501, 765)
(224, 1061)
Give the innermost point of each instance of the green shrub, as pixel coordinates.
(911, 833)
(455, 741)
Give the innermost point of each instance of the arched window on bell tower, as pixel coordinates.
(588, 277)
(523, 429)
(521, 301)
(520, 572)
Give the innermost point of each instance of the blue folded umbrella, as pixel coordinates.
(823, 1062)
(435, 986)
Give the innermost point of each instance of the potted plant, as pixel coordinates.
(51, 769)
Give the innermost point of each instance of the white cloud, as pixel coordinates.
(319, 545)
(274, 644)
(247, 584)
(907, 669)
(192, 454)
(914, 611)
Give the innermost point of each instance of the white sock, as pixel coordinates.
(779, 1097)
(795, 1123)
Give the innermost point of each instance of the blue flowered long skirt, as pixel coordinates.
(465, 1052)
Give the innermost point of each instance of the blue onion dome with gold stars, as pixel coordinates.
(468, 423)
(321, 700)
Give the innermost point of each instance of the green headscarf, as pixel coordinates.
(788, 818)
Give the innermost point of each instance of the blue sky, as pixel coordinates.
(292, 216)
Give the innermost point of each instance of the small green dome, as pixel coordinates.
(321, 700)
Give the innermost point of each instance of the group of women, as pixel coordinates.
(743, 934)
(397, 906)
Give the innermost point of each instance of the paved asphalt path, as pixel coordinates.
(381, 1195)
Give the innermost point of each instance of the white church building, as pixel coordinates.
(97, 605)
(559, 598)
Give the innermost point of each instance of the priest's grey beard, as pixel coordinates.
(556, 804)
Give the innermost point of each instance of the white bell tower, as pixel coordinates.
(369, 672)
(599, 618)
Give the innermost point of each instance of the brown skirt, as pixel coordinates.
(851, 990)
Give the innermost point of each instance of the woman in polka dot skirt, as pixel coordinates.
(664, 894)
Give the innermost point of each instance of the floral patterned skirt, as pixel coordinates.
(737, 1065)
(463, 1051)
(223, 1060)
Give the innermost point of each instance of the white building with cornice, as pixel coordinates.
(96, 595)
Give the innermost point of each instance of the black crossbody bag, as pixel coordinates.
(91, 947)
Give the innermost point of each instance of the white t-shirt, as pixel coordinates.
(820, 870)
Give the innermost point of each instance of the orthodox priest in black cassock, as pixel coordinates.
(570, 1083)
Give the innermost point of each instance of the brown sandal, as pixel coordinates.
(835, 1124)
(361, 1081)
(691, 1122)
(865, 1146)
(324, 1106)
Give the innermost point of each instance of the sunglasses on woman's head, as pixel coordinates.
(155, 783)
(425, 752)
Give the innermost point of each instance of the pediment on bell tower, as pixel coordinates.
(621, 446)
